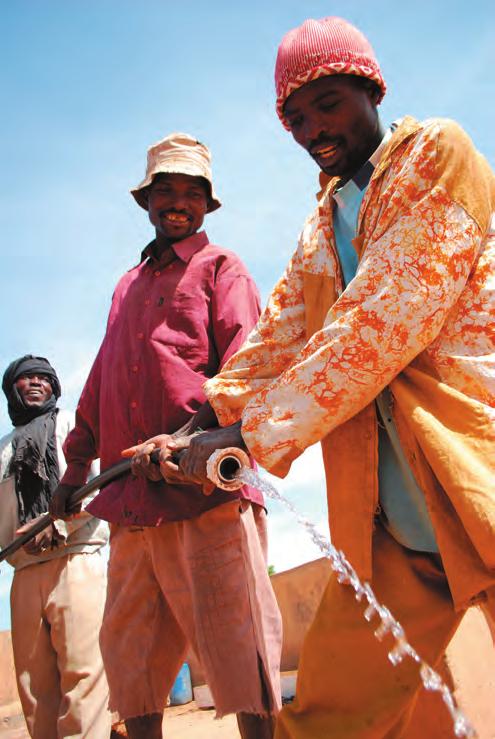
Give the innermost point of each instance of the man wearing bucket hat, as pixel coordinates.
(58, 589)
(185, 569)
(377, 343)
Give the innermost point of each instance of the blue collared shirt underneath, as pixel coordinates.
(401, 499)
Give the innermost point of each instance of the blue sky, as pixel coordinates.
(88, 86)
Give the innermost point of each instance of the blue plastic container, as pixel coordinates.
(182, 689)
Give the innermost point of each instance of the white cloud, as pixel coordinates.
(289, 544)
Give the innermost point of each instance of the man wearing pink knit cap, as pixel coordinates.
(376, 342)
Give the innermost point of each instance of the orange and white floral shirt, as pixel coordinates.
(419, 316)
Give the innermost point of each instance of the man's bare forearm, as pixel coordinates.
(199, 447)
(204, 418)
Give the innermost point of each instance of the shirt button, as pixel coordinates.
(157, 273)
(133, 404)
(140, 335)
(139, 441)
(134, 368)
(147, 301)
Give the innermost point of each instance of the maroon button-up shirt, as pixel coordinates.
(169, 330)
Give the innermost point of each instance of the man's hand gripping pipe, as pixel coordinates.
(112, 473)
(222, 467)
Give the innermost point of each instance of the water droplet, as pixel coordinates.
(381, 631)
(396, 655)
(370, 612)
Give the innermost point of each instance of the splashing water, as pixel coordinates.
(388, 625)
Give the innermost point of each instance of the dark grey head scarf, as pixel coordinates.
(34, 460)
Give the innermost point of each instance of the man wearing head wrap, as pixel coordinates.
(58, 590)
(186, 569)
(377, 342)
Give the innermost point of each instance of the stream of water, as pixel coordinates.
(388, 624)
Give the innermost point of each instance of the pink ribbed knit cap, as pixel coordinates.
(319, 48)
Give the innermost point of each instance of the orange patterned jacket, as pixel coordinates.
(419, 316)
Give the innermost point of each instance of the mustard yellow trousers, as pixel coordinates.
(347, 688)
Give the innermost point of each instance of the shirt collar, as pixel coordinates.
(184, 249)
(363, 176)
(360, 181)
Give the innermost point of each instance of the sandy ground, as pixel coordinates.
(180, 722)
(187, 722)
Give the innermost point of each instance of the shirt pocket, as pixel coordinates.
(181, 325)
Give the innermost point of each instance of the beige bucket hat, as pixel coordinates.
(177, 153)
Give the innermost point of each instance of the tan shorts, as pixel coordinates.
(201, 583)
